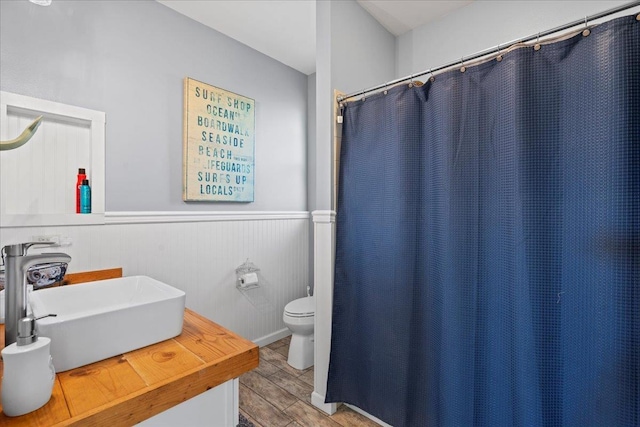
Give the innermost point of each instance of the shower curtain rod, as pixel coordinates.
(497, 49)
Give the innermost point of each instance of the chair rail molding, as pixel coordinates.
(199, 216)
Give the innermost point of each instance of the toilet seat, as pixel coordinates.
(301, 307)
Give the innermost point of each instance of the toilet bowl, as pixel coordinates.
(299, 317)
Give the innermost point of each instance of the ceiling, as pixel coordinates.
(401, 16)
(286, 29)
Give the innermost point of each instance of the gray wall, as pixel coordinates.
(324, 90)
(353, 52)
(483, 25)
(129, 59)
(311, 140)
(362, 50)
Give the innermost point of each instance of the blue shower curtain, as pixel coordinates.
(487, 266)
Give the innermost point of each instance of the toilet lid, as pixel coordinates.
(302, 307)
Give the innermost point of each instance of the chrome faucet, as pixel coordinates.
(17, 263)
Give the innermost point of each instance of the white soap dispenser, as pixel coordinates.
(28, 371)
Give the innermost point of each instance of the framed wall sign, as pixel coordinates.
(219, 142)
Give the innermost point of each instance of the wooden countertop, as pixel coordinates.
(132, 387)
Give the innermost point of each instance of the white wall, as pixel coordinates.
(485, 24)
(129, 59)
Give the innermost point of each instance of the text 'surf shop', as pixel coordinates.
(219, 142)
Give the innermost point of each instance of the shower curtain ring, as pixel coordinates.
(537, 45)
(364, 96)
(411, 82)
(586, 31)
(386, 85)
(499, 57)
(431, 77)
(463, 68)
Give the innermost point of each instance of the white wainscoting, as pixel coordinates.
(198, 253)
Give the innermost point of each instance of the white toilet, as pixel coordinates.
(299, 317)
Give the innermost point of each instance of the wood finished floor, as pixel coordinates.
(275, 394)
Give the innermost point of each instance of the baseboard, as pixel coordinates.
(268, 339)
(368, 415)
(330, 408)
(318, 401)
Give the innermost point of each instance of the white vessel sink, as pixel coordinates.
(97, 320)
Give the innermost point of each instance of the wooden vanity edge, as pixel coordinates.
(90, 276)
(166, 394)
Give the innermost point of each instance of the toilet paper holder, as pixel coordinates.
(249, 280)
(254, 287)
(247, 276)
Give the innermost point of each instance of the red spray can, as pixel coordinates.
(81, 176)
